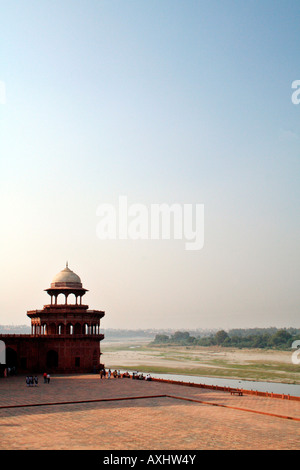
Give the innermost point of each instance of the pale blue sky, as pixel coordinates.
(163, 101)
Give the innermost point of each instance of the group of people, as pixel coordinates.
(32, 381)
(117, 375)
(140, 376)
(7, 371)
(46, 378)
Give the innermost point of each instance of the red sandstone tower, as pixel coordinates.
(65, 337)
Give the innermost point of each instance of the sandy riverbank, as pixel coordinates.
(251, 364)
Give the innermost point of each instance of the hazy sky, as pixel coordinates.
(163, 101)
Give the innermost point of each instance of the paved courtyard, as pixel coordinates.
(84, 412)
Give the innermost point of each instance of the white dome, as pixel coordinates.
(66, 278)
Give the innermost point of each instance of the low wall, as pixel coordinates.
(229, 389)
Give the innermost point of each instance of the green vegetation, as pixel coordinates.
(180, 353)
(266, 338)
(241, 372)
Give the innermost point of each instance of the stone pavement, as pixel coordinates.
(85, 412)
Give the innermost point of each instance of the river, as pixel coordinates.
(271, 387)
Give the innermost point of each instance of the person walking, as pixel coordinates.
(109, 373)
(48, 378)
(45, 377)
(36, 381)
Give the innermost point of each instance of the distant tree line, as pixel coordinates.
(15, 329)
(248, 338)
(121, 333)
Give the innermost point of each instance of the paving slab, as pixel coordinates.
(85, 412)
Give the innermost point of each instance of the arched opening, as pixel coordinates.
(77, 361)
(61, 329)
(85, 329)
(95, 329)
(72, 299)
(52, 329)
(37, 329)
(61, 299)
(77, 329)
(52, 359)
(11, 358)
(69, 329)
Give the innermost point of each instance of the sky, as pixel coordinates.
(163, 102)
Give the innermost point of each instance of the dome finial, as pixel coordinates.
(67, 264)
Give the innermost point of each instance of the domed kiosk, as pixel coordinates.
(65, 334)
(66, 282)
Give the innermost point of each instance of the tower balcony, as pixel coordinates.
(64, 336)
